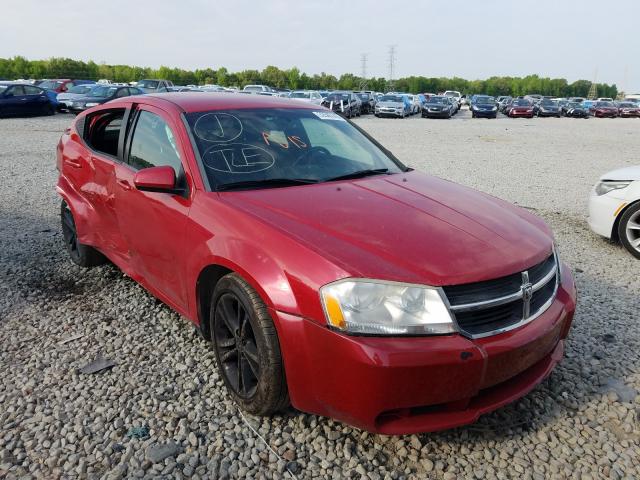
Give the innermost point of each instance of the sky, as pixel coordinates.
(570, 39)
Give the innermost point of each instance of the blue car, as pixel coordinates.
(23, 99)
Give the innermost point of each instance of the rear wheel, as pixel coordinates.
(82, 255)
(247, 347)
(629, 229)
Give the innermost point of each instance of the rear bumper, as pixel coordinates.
(420, 384)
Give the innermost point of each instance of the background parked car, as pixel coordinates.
(438, 106)
(310, 96)
(455, 95)
(547, 108)
(343, 103)
(258, 89)
(575, 110)
(604, 110)
(368, 101)
(23, 99)
(154, 86)
(484, 106)
(62, 85)
(392, 105)
(102, 94)
(520, 107)
(75, 92)
(628, 109)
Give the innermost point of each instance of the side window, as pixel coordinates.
(123, 92)
(133, 91)
(102, 131)
(18, 90)
(29, 90)
(153, 144)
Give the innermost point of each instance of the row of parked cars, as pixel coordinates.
(577, 107)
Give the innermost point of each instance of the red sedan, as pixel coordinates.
(327, 274)
(520, 107)
(604, 110)
(628, 109)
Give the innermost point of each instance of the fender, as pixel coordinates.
(83, 212)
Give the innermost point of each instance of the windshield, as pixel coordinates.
(574, 105)
(390, 98)
(300, 95)
(484, 100)
(363, 96)
(80, 89)
(151, 84)
(102, 92)
(522, 103)
(262, 145)
(336, 97)
(548, 103)
(440, 100)
(604, 104)
(3, 87)
(253, 88)
(627, 105)
(452, 94)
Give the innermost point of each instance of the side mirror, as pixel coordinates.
(157, 179)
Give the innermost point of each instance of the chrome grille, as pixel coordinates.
(494, 306)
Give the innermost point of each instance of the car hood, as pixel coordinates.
(627, 173)
(404, 227)
(390, 104)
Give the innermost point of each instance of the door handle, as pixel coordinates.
(124, 184)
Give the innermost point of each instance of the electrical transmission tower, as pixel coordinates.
(363, 74)
(593, 90)
(392, 64)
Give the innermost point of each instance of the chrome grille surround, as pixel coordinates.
(537, 290)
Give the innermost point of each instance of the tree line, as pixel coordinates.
(21, 68)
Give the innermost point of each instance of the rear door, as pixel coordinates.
(93, 174)
(152, 223)
(37, 98)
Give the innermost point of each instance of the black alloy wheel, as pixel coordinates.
(247, 347)
(236, 344)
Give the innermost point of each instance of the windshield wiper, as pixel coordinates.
(266, 183)
(359, 174)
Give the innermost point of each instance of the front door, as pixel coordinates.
(153, 224)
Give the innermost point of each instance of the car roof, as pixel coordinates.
(204, 101)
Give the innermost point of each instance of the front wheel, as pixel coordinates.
(82, 255)
(629, 229)
(247, 347)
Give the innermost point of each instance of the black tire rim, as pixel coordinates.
(69, 232)
(236, 346)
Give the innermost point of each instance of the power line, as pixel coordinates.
(363, 73)
(392, 64)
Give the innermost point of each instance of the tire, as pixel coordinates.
(247, 348)
(49, 109)
(629, 229)
(82, 255)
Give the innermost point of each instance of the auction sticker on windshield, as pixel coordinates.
(329, 116)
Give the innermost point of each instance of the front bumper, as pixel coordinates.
(435, 114)
(485, 113)
(390, 112)
(523, 113)
(602, 213)
(548, 113)
(403, 385)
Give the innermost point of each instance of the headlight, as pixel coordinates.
(385, 308)
(473, 107)
(91, 104)
(607, 186)
(494, 108)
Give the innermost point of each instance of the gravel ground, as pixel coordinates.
(162, 411)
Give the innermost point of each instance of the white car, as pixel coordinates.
(614, 207)
(456, 95)
(309, 96)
